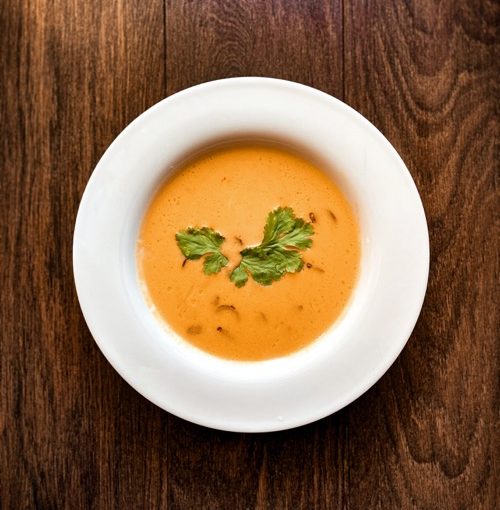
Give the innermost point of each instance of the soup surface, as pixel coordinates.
(232, 189)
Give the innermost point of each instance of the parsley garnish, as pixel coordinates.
(278, 254)
(284, 235)
(195, 243)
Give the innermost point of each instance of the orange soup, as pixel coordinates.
(229, 193)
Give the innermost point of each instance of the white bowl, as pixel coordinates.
(268, 395)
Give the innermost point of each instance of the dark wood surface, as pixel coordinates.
(73, 433)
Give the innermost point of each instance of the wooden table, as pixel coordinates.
(73, 433)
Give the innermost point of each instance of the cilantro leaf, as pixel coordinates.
(214, 262)
(284, 235)
(194, 243)
(239, 276)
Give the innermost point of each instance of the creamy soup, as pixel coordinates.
(231, 190)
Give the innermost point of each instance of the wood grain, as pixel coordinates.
(425, 74)
(73, 434)
(299, 41)
(289, 39)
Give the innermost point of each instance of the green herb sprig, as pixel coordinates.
(284, 235)
(195, 243)
(276, 255)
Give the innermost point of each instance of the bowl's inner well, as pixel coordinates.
(290, 294)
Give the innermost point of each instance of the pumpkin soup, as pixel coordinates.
(249, 251)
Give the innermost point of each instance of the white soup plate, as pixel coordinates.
(266, 395)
